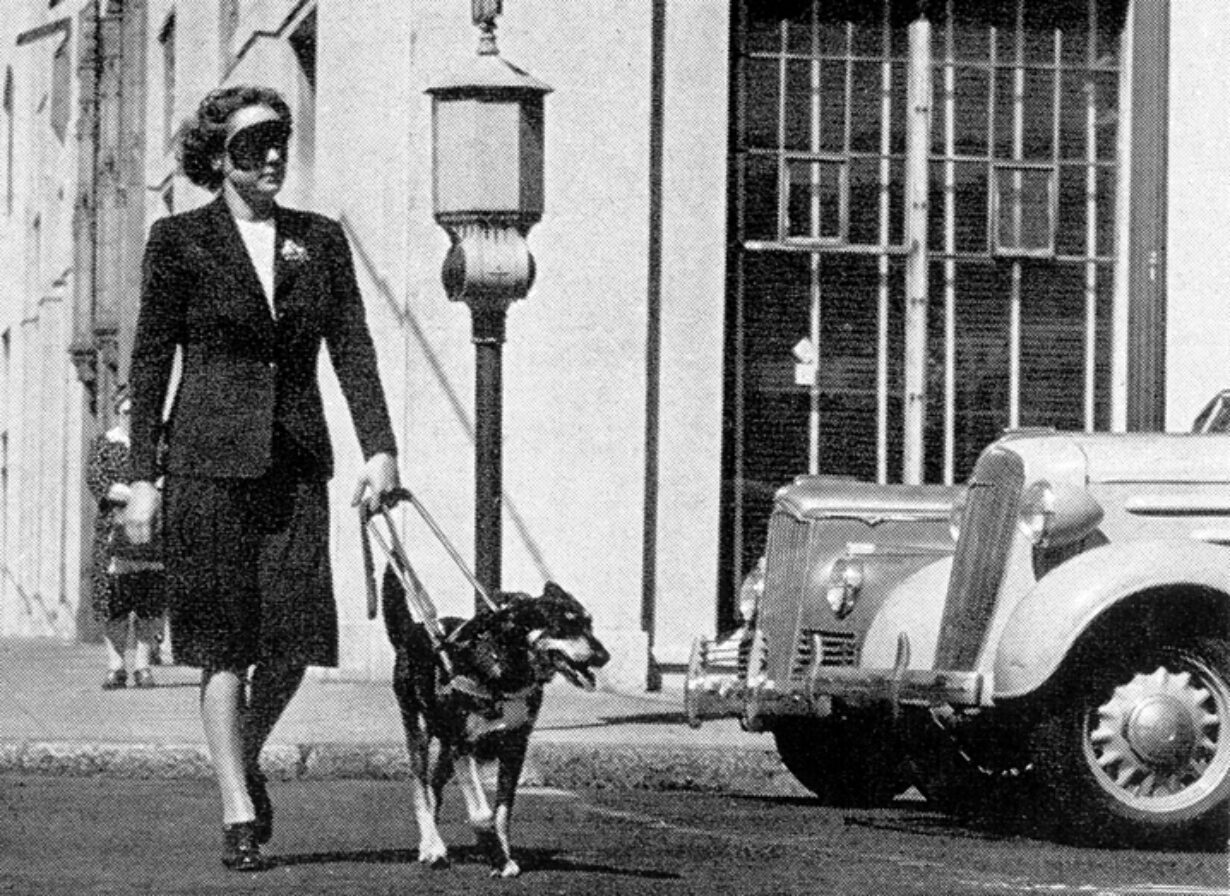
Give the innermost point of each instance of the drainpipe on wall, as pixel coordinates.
(918, 147)
(85, 208)
(81, 348)
(1146, 337)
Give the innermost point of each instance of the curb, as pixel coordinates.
(558, 765)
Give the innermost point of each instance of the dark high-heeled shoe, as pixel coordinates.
(240, 850)
(116, 680)
(262, 804)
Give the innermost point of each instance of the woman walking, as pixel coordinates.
(128, 586)
(248, 290)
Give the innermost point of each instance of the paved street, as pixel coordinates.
(109, 835)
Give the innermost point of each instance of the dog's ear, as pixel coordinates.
(524, 612)
(510, 598)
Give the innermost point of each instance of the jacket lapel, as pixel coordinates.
(290, 254)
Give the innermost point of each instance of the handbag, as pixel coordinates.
(120, 548)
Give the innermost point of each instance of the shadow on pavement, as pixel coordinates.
(911, 816)
(530, 860)
(648, 718)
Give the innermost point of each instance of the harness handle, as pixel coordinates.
(398, 495)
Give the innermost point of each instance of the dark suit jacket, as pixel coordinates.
(245, 372)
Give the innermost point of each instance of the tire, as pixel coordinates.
(845, 761)
(955, 786)
(1139, 752)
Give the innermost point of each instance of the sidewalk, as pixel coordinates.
(56, 719)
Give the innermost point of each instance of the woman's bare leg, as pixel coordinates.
(115, 636)
(146, 631)
(222, 711)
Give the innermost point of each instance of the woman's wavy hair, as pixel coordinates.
(203, 139)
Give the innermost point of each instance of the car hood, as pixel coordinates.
(1125, 457)
(826, 497)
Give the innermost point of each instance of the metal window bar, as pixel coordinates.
(882, 346)
(1091, 220)
(738, 449)
(783, 173)
(813, 419)
(1014, 300)
(950, 248)
(816, 230)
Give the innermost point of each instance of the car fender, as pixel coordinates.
(1049, 619)
(913, 607)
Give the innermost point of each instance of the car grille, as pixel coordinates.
(785, 580)
(745, 657)
(981, 557)
(835, 649)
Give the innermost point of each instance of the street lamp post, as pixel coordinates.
(487, 191)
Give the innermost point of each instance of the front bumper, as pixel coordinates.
(718, 685)
(716, 682)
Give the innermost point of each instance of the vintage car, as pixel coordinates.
(1057, 631)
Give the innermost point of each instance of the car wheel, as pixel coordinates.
(845, 761)
(1140, 752)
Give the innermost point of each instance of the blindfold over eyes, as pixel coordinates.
(249, 147)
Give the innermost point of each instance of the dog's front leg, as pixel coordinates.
(441, 774)
(432, 849)
(481, 819)
(410, 683)
(511, 761)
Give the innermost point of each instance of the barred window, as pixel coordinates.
(1011, 250)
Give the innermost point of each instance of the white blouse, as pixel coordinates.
(259, 237)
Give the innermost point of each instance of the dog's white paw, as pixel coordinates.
(433, 854)
(510, 869)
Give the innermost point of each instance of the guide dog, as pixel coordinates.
(480, 702)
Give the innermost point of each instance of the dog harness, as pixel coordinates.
(489, 712)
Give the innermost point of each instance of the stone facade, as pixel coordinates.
(614, 365)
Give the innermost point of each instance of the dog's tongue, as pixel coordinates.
(581, 678)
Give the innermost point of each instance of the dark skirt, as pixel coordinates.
(248, 577)
(142, 593)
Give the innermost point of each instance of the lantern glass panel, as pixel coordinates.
(479, 156)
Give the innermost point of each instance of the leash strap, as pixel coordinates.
(369, 565)
(416, 595)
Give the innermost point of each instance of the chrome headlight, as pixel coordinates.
(750, 593)
(1037, 510)
(1057, 515)
(845, 583)
(956, 515)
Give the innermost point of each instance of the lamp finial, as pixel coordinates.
(484, 13)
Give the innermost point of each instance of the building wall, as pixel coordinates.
(1198, 213)
(42, 422)
(693, 324)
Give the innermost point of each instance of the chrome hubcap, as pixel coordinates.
(1161, 732)
(1156, 736)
